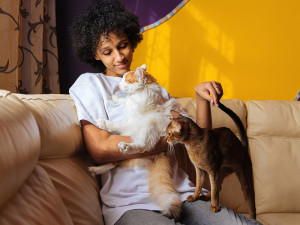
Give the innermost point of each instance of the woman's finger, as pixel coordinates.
(217, 92)
(213, 92)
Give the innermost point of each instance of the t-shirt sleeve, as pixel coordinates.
(88, 98)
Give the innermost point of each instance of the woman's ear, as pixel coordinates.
(97, 57)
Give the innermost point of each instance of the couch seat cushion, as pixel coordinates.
(79, 191)
(37, 202)
(279, 218)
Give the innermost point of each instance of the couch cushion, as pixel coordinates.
(279, 218)
(37, 202)
(57, 121)
(79, 191)
(274, 138)
(19, 145)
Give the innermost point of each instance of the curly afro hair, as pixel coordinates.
(102, 18)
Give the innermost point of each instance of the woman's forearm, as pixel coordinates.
(203, 115)
(206, 93)
(103, 147)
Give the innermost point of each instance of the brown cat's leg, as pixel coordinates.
(224, 173)
(215, 188)
(200, 176)
(244, 174)
(206, 197)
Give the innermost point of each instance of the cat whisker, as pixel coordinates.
(171, 147)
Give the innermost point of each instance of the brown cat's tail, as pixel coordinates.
(238, 123)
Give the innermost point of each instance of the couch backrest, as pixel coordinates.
(274, 138)
(20, 144)
(27, 194)
(57, 122)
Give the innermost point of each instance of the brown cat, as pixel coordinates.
(216, 151)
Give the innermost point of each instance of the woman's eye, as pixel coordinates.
(106, 53)
(123, 45)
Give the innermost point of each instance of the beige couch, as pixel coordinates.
(43, 178)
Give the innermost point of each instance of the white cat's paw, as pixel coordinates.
(123, 146)
(128, 148)
(93, 170)
(101, 124)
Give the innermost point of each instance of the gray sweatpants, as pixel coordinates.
(193, 213)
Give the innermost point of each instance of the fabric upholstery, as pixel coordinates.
(43, 162)
(20, 145)
(274, 137)
(37, 202)
(279, 218)
(78, 190)
(60, 133)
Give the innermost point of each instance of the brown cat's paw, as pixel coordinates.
(215, 209)
(204, 198)
(191, 198)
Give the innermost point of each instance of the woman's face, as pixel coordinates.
(115, 53)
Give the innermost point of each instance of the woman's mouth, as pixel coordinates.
(122, 65)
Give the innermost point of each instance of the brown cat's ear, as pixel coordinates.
(175, 114)
(176, 126)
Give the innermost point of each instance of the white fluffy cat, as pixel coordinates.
(148, 117)
(148, 113)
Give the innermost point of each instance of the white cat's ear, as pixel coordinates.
(175, 114)
(144, 76)
(144, 67)
(139, 72)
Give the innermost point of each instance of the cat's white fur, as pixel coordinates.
(148, 114)
(148, 117)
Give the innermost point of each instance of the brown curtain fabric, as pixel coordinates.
(28, 46)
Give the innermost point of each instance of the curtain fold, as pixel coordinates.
(28, 56)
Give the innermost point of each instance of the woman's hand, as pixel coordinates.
(211, 91)
(207, 92)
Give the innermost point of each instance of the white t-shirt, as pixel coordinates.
(123, 189)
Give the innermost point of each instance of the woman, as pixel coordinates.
(105, 36)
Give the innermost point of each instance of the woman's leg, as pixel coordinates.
(193, 213)
(199, 213)
(144, 217)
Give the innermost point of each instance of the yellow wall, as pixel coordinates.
(252, 47)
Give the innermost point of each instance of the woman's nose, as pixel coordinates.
(119, 56)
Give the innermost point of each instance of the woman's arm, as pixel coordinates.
(103, 147)
(206, 93)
